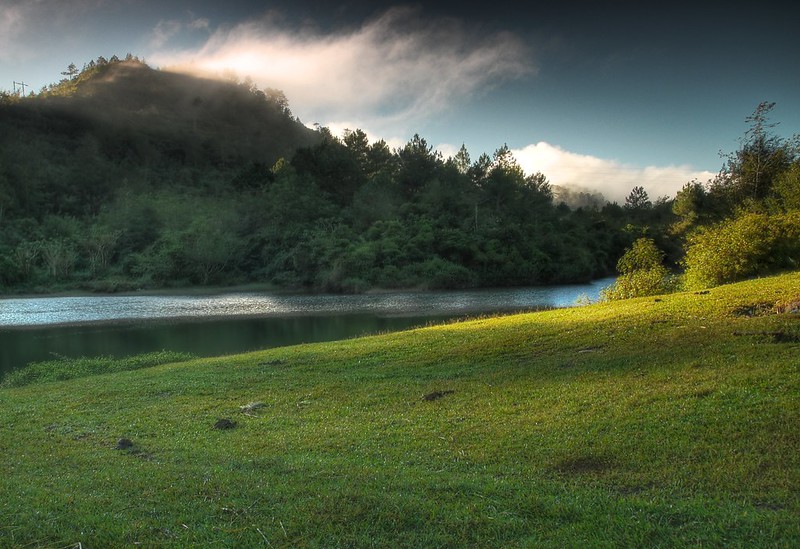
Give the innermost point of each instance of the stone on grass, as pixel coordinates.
(224, 423)
(124, 444)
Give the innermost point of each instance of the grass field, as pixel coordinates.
(653, 422)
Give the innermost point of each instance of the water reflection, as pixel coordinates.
(203, 338)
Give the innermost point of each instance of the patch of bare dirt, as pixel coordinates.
(788, 307)
(753, 310)
(436, 395)
(782, 307)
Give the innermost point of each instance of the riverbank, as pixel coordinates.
(252, 288)
(658, 421)
(171, 291)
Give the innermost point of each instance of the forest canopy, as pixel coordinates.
(124, 177)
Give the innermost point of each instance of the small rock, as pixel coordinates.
(224, 423)
(124, 444)
(251, 407)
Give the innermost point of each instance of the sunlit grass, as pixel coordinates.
(652, 422)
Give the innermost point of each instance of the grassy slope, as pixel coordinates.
(640, 423)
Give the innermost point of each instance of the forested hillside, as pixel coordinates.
(124, 177)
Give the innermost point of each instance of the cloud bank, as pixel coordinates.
(614, 179)
(388, 73)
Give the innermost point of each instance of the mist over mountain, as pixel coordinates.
(579, 197)
(147, 115)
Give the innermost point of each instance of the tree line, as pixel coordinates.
(342, 215)
(150, 180)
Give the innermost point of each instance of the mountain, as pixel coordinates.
(124, 126)
(136, 113)
(185, 117)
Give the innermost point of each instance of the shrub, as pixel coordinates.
(438, 273)
(787, 187)
(9, 271)
(641, 273)
(747, 245)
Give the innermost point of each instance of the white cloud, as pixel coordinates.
(199, 23)
(447, 150)
(389, 73)
(164, 32)
(614, 179)
(167, 30)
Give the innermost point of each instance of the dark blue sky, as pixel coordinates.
(603, 94)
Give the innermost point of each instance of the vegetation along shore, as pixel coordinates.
(122, 177)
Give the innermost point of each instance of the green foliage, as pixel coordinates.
(71, 368)
(642, 256)
(99, 188)
(740, 224)
(689, 205)
(122, 176)
(639, 284)
(59, 257)
(641, 273)
(208, 246)
(638, 199)
(747, 245)
(787, 188)
(336, 168)
(752, 171)
(438, 273)
(10, 272)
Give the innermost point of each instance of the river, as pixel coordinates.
(35, 329)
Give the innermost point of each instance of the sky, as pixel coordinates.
(604, 95)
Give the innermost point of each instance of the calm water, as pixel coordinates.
(42, 328)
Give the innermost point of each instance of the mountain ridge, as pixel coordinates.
(184, 116)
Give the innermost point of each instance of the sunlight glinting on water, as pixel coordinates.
(74, 310)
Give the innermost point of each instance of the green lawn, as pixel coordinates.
(671, 421)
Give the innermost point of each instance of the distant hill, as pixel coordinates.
(144, 114)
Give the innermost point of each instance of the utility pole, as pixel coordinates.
(22, 86)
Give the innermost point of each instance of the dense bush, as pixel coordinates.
(787, 188)
(641, 273)
(747, 245)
